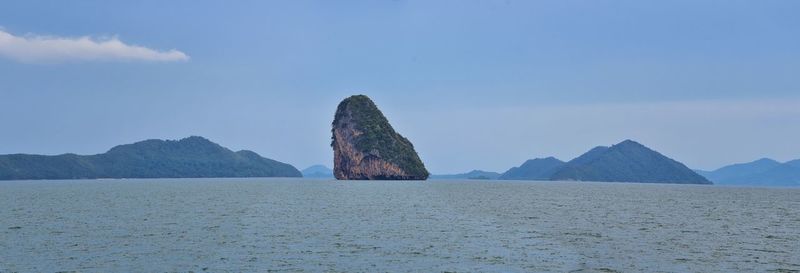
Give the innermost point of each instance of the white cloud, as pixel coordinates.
(45, 49)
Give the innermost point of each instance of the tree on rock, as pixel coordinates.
(366, 147)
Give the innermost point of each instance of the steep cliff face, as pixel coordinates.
(366, 147)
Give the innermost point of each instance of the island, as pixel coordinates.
(366, 147)
(627, 161)
(191, 157)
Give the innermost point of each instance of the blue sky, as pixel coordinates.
(474, 84)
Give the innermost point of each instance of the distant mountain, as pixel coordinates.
(534, 169)
(793, 163)
(742, 170)
(762, 172)
(317, 171)
(188, 157)
(475, 174)
(627, 161)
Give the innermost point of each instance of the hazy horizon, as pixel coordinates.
(474, 85)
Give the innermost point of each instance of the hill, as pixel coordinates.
(741, 170)
(627, 161)
(317, 171)
(533, 169)
(474, 174)
(186, 158)
(762, 172)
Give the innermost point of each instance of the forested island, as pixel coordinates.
(191, 157)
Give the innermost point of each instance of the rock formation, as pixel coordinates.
(366, 147)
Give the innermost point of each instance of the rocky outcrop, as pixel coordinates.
(366, 147)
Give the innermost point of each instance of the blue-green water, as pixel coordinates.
(294, 225)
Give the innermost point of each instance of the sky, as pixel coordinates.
(473, 84)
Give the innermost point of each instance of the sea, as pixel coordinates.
(307, 225)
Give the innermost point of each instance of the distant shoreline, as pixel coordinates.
(551, 182)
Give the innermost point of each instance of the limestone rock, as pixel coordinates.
(366, 147)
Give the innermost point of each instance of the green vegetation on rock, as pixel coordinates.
(377, 137)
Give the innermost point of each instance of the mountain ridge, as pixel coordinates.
(533, 169)
(189, 157)
(474, 174)
(627, 161)
(761, 172)
(317, 171)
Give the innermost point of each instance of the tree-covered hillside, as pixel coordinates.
(188, 157)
